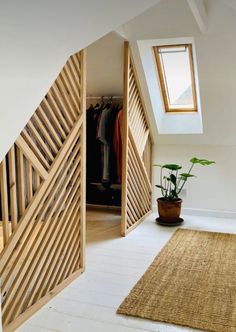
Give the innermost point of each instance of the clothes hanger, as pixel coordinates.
(102, 103)
(109, 104)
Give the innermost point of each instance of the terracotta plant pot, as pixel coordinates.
(169, 211)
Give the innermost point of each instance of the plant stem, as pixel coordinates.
(162, 191)
(176, 175)
(169, 185)
(189, 172)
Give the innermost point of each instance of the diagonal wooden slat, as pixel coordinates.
(60, 237)
(4, 202)
(13, 189)
(53, 120)
(21, 182)
(44, 133)
(40, 141)
(23, 146)
(34, 259)
(136, 175)
(68, 76)
(32, 228)
(57, 111)
(42, 182)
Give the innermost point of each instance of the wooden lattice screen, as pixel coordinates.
(136, 173)
(42, 200)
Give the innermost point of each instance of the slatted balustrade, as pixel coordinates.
(137, 119)
(20, 181)
(136, 172)
(42, 191)
(147, 157)
(43, 199)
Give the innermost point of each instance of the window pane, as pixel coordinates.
(177, 74)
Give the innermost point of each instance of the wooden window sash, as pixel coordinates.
(163, 83)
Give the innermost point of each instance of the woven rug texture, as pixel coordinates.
(192, 282)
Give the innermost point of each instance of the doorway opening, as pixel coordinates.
(104, 101)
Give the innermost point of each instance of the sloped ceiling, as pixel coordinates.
(216, 54)
(230, 3)
(168, 123)
(105, 66)
(36, 39)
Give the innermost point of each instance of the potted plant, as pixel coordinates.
(172, 182)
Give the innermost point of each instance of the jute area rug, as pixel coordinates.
(192, 282)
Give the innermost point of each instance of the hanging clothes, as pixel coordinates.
(106, 137)
(93, 151)
(104, 144)
(104, 154)
(118, 142)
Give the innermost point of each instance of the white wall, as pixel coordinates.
(36, 38)
(168, 123)
(216, 54)
(214, 187)
(105, 66)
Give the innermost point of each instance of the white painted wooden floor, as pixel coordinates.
(114, 265)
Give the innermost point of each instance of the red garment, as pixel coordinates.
(118, 143)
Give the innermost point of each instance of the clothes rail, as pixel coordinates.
(104, 97)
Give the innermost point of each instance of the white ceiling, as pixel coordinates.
(36, 38)
(36, 43)
(215, 56)
(105, 66)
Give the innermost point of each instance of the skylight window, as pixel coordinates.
(176, 73)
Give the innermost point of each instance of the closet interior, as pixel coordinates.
(42, 177)
(104, 113)
(104, 150)
(119, 141)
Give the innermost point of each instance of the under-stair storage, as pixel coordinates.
(43, 190)
(119, 143)
(104, 150)
(43, 200)
(136, 167)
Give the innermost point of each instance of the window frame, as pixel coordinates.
(163, 83)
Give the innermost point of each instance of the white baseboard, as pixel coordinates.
(209, 213)
(206, 213)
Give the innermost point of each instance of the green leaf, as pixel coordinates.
(172, 167)
(203, 162)
(173, 179)
(186, 175)
(161, 187)
(157, 165)
(194, 160)
(166, 178)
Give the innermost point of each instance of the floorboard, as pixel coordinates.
(113, 265)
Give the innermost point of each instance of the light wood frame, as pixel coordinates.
(43, 184)
(137, 147)
(42, 191)
(163, 83)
